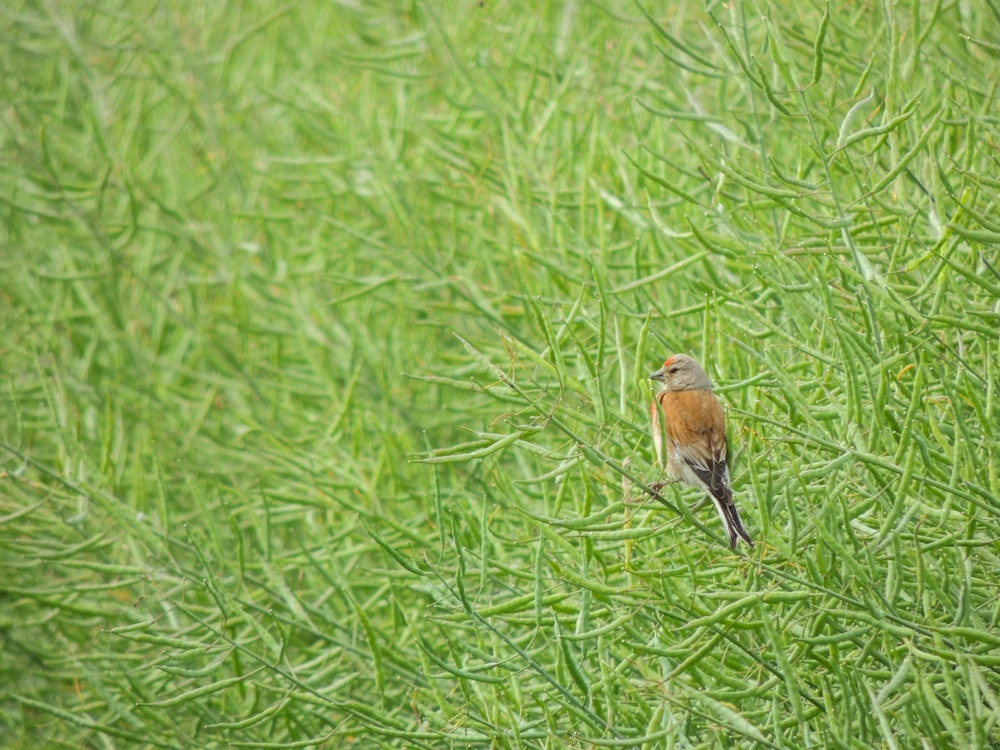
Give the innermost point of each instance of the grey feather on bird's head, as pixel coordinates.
(681, 373)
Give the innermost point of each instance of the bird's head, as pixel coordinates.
(681, 373)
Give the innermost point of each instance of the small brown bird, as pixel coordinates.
(689, 435)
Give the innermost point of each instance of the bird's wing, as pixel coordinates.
(708, 462)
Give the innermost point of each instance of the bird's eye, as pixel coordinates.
(672, 369)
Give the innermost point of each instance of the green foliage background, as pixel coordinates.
(323, 357)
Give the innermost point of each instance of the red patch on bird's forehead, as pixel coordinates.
(669, 360)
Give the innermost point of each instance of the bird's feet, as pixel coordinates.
(655, 487)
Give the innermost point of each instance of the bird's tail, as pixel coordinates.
(731, 520)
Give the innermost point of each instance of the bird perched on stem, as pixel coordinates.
(689, 435)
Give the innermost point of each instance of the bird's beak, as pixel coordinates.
(658, 375)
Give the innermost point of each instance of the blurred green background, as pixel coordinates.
(323, 362)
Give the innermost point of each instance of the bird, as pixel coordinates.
(689, 436)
